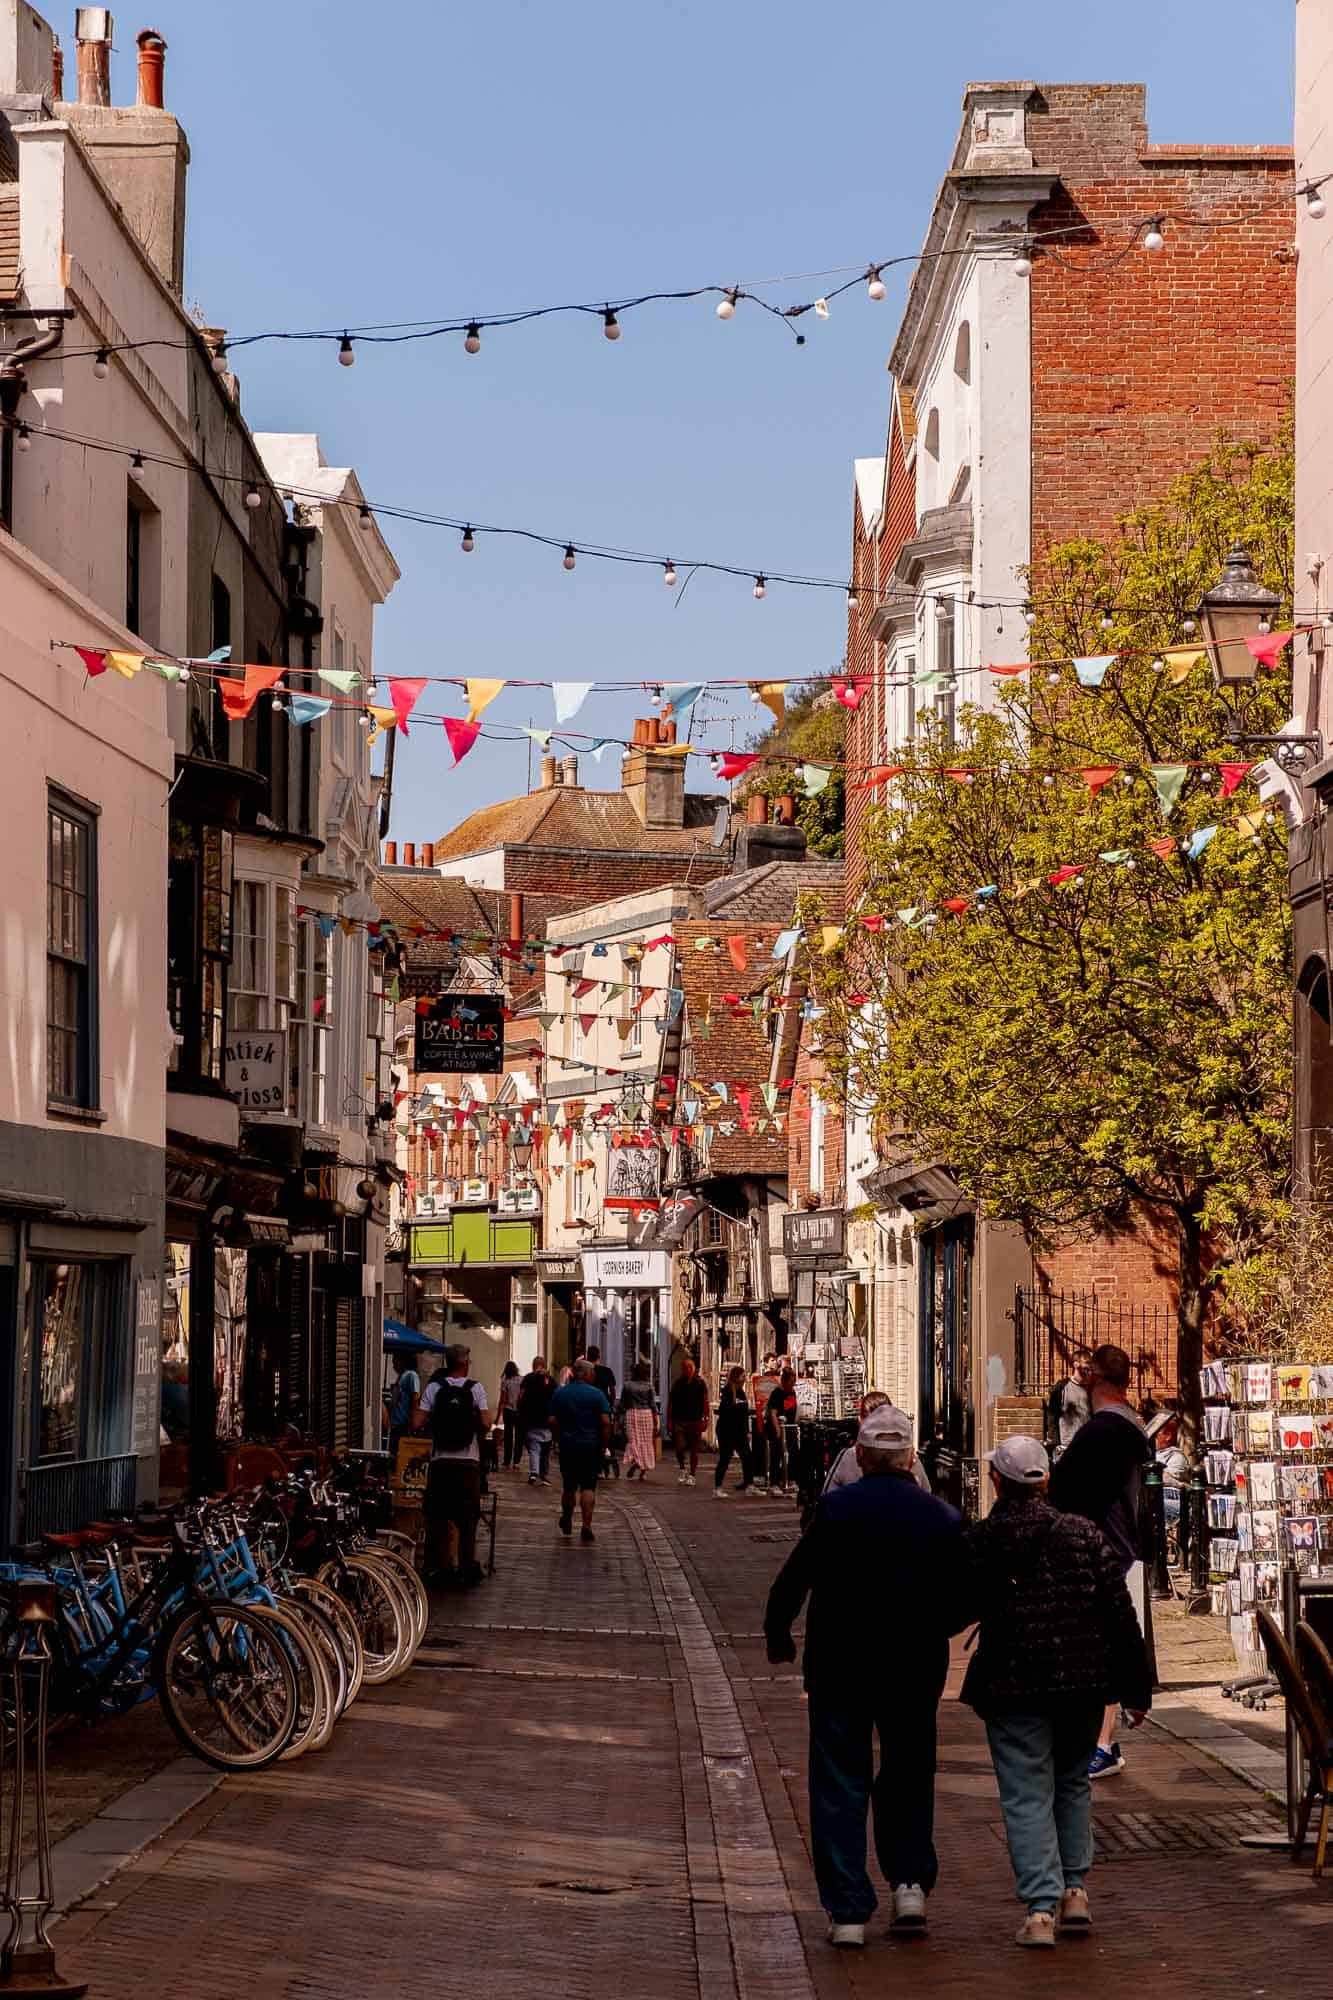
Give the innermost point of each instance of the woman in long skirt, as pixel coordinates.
(638, 1407)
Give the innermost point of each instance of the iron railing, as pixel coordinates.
(1055, 1331)
(59, 1497)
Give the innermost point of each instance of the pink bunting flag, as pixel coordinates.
(405, 695)
(1067, 873)
(851, 692)
(239, 697)
(734, 764)
(462, 735)
(1232, 776)
(1266, 646)
(95, 662)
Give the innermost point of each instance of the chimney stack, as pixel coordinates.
(92, 33)
(548, 773)
(152, 63)
(409, 854)
(391, 853)
(569, 771)
(428, 853)
(653, 777)
(57, 71)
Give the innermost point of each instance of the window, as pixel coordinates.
(909, 718)
(944, 664)
(933, 434)
(143, 563)
(74, 1312)
(133, 565)
(962, 353)
(344, 712)
(816, 1143)
(71, 954)
(249, 955)
(199, 888)
(310, 1024)
(633, 999)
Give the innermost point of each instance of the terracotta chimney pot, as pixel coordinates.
(428, 853)
(57, 72)
(391, 853)
(756, 810)
(92, 30)
(409, 854)
(152, 63)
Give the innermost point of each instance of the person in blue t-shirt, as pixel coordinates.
(405, 1396)
(581, 1420)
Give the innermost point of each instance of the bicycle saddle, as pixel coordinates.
(80, 1538)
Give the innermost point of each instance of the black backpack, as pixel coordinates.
(453, 1417)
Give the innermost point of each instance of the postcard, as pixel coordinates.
(1222, 1555)
(1258, 1380)
(1267, 1577)
(1262, 1482)
(1217, 1423)
(1321, 1382)
(1219, 1467)
(1265, 1531)
(1222, 1511)
(1259, 1430)
(1300, 1488)
(1293, 1382)
(1245, 1578)
(1295, 1433)
(1213, 1380)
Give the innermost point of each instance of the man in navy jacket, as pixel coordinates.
(880, 1564)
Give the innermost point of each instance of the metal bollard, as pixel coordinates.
(1154, 1505)
(1196, 1498)
(27, 1960)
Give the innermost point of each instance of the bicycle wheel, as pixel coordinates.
(344, 1624)
(381, 1614)
(391, 1575)
(227, 1685)
(319, 1627)
(413, 1589)
(315, 1714)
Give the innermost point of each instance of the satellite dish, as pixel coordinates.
(722, 825)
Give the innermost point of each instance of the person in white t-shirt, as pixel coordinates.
(454, 1410)
(846, 1470)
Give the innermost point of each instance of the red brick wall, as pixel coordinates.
(737, 1047)
(808, 1075)
(597, 875)
(1136, 369)
(1135, 1267)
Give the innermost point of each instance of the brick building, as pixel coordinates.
(1029, 408)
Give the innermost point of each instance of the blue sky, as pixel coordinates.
(357, 164)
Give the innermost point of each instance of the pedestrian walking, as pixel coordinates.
(846, 1467)
(1058, 1642)
(605, 1380)
(403, 1401)
(638, 1413)
(687, 1409)
(511, 1384)
(1099, 1474)
(581, 1420)
(880, 1566)
(735, 1423)
(781, 1411)
(454, 1409)
(534, 1420)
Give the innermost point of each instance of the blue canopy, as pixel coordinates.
(398, 1335)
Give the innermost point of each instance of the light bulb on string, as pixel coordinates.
(726, 306)
(569, 555)
(472, 341)
(610, 325)
(669, 574)
(1153, 239)
(23, 441)
(876, 288)
(1048, 779)
(469, 541)
(365, 718)
(760, 587)
(372, 695)
(253, 497)
(1029, 615)
(364, 516)
(1265, 624)
(1159, 665)
(136, 463)
(219, 358)
(346, 352)
(278, 702)
(102, 365)
(1126, 777)
(852, 599)
(1315, 206)
(1054, 678)
(1188, 627)
(1106, 621)
(1023, 262)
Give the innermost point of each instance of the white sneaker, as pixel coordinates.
(848, 1937)
(909, 1907)
(721, 1493)
(682, 1478)
(689, 1479)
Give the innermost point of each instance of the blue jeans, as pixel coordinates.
(844, 1787)
(1041, 1766)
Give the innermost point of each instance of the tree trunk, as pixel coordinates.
(1191, 1312)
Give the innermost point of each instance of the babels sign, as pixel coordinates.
(462, 1032)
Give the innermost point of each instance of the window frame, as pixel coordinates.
(100, 1368)
(86, 1095)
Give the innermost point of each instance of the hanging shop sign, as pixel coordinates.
(461, 1033)
(626, 1270)
(813, 1232)
(633, 1174)
(255, 1069)
(147, 1418)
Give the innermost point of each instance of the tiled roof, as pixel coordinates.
(9, 244)
(567, 816)
(442, 903)
(768, 895)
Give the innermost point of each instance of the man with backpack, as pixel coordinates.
(454, 1410)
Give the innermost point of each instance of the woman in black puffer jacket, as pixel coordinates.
(1058, 1643)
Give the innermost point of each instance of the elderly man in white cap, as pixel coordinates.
(1058, 1642)
(880, 1565)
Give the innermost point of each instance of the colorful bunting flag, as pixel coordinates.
(773, 695)
(170, 670)
(309, 707)
(1066, 873)
(681, 702)
(540, 736)
(814, 778)
(1199, 840)
(785, 942)
(239, 697)
(125, 664)
(881, 775)
(462, 735)
(1095, 776)
(1232, 776)
(851, 692)
(405, 695)
(1020, 668)
(830, 937)
(480, 694)
(731, 764)
(93, 660)
(1180, 661)
(381, 719)
(736, 952)
(1092, 671)
(1163, 849)
(1167, 782)
(341, 678)
(1265, 646)
(569, 697)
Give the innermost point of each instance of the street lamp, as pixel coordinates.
(1230, 613)
(523, 1154)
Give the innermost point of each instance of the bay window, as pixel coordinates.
(310, 1023)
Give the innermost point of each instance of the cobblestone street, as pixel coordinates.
(591, 1782)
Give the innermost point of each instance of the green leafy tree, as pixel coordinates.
(813, 730)
(1118, 1038)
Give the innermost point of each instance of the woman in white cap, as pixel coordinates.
(1058, 1642)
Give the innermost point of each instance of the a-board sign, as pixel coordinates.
(462, 1032)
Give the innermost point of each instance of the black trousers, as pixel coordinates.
(510, 1418)
(845, 1787)
(734, 1447)
(453, 1496)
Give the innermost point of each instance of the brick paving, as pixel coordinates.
(592, 1782)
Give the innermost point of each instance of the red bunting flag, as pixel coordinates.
(586, 1022)
(741, 1097)
(851, 692)
(1232, 776)
(93, 661)
(873, 923)
(1021, 668)
(734, 764)
(1163, 848)
(961, 776)
(583, 986)
(1095, 776)
(462, 735)
(736, 952)
(1067, 873)
(239, 697)
(1266, 646)
(405, 695)
(955, 904)
(879, 776)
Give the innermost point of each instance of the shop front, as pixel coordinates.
(473, 1280)
(628, 1311)
(560, 1315)
(824, 1340)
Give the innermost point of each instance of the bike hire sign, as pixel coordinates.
(462, 1032)
(255, 1071)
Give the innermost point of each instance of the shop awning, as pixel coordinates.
(396, 1334)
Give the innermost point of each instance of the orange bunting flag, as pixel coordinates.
(881, 775)
(1232, 776)
(1095, 776)
(1021, 668)
(736, 952)
(960, 776)
(1163, 848)
(956, 904)
(239, 697)
(404, 695)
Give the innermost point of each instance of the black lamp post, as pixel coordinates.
(1238, 606)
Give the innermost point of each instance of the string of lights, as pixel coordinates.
(470, 531)
(1149, 232)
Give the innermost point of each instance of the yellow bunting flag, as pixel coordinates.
(1250, 825)
(1181, 661)
(385, 718)
(479, 695)
(127, 664)
(830, 936)
(773, 694)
